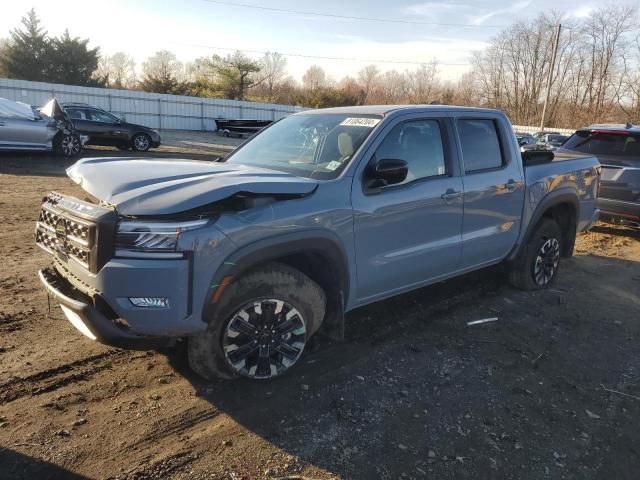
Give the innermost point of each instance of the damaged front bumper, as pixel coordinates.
(90, 320)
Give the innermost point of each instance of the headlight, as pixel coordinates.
(152, 238)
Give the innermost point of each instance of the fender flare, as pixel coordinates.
(317, 241)
(551, 200)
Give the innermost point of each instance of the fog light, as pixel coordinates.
(150, 302)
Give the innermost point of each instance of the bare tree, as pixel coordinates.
(315, 78)
(118, 69)
(394, 87)
(274, 69)
(423, 82)
(368, 79)
(163, 73)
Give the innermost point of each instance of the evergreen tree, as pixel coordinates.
(26, 55)
(71, 62)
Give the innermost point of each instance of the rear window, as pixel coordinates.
(480, 144)
(621, 144)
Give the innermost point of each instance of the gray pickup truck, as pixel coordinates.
(322, 212)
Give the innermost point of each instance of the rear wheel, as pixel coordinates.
(537, 264)
(266, 319)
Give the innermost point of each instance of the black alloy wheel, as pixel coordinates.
(264, 338)
(546, 262)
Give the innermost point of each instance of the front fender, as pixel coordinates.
(318, 241)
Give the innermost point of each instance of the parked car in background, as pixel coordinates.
(552, 141)
(525, 139)
(539, 135)
(103, 128)
(618, 149)
(248, 257)
(49, 128)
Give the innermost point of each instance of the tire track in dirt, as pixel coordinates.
(58, 377)
(176, 425)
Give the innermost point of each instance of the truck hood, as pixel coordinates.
(138, 187)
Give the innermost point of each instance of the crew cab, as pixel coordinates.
(324, 211)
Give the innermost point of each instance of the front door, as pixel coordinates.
(409, 233)
(18, 132)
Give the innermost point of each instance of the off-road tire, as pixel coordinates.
(521, 273)
(273, 280)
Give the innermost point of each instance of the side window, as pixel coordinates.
(76, 113)
(98, 116)
(419, 143)
(480, 144)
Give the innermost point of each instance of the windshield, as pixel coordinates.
(313, 146)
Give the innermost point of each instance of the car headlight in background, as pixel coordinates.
(155, 239)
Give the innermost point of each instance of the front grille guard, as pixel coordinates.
(68, 227)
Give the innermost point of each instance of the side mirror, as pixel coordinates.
(536, 156)
(388, 171)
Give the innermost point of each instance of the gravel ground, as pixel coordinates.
(550, 390)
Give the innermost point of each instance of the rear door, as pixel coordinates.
(410, 233)
(493, 189)
(107, 128)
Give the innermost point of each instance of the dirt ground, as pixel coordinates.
(550, 390)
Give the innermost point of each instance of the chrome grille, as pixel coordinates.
(57, 230)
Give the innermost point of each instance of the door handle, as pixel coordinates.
(450, 194)
(512, 184)
(2, 124)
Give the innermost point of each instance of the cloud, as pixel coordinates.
(582, 12)
(516, 7)
(438, 11)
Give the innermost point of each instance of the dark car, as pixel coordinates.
(103, 128)
(552, 140)
(525, 139)
(618, 149)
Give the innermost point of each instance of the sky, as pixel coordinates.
(197, 28)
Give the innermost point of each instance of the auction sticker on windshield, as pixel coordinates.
(360, 122)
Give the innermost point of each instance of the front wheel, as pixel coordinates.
(141, 142)
(537, 264)
(265, 320)
(68, 145)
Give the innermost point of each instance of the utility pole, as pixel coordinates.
(556, 40)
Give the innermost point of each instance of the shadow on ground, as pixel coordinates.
(17, 465)
(414, 391)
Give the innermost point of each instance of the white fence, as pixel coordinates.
(154, 110)
(532, 130)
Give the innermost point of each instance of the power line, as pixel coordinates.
(365, 60)
(349, 17)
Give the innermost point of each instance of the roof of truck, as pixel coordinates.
(387, 109)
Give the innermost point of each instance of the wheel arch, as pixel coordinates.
(317, 254)
(564, 208)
